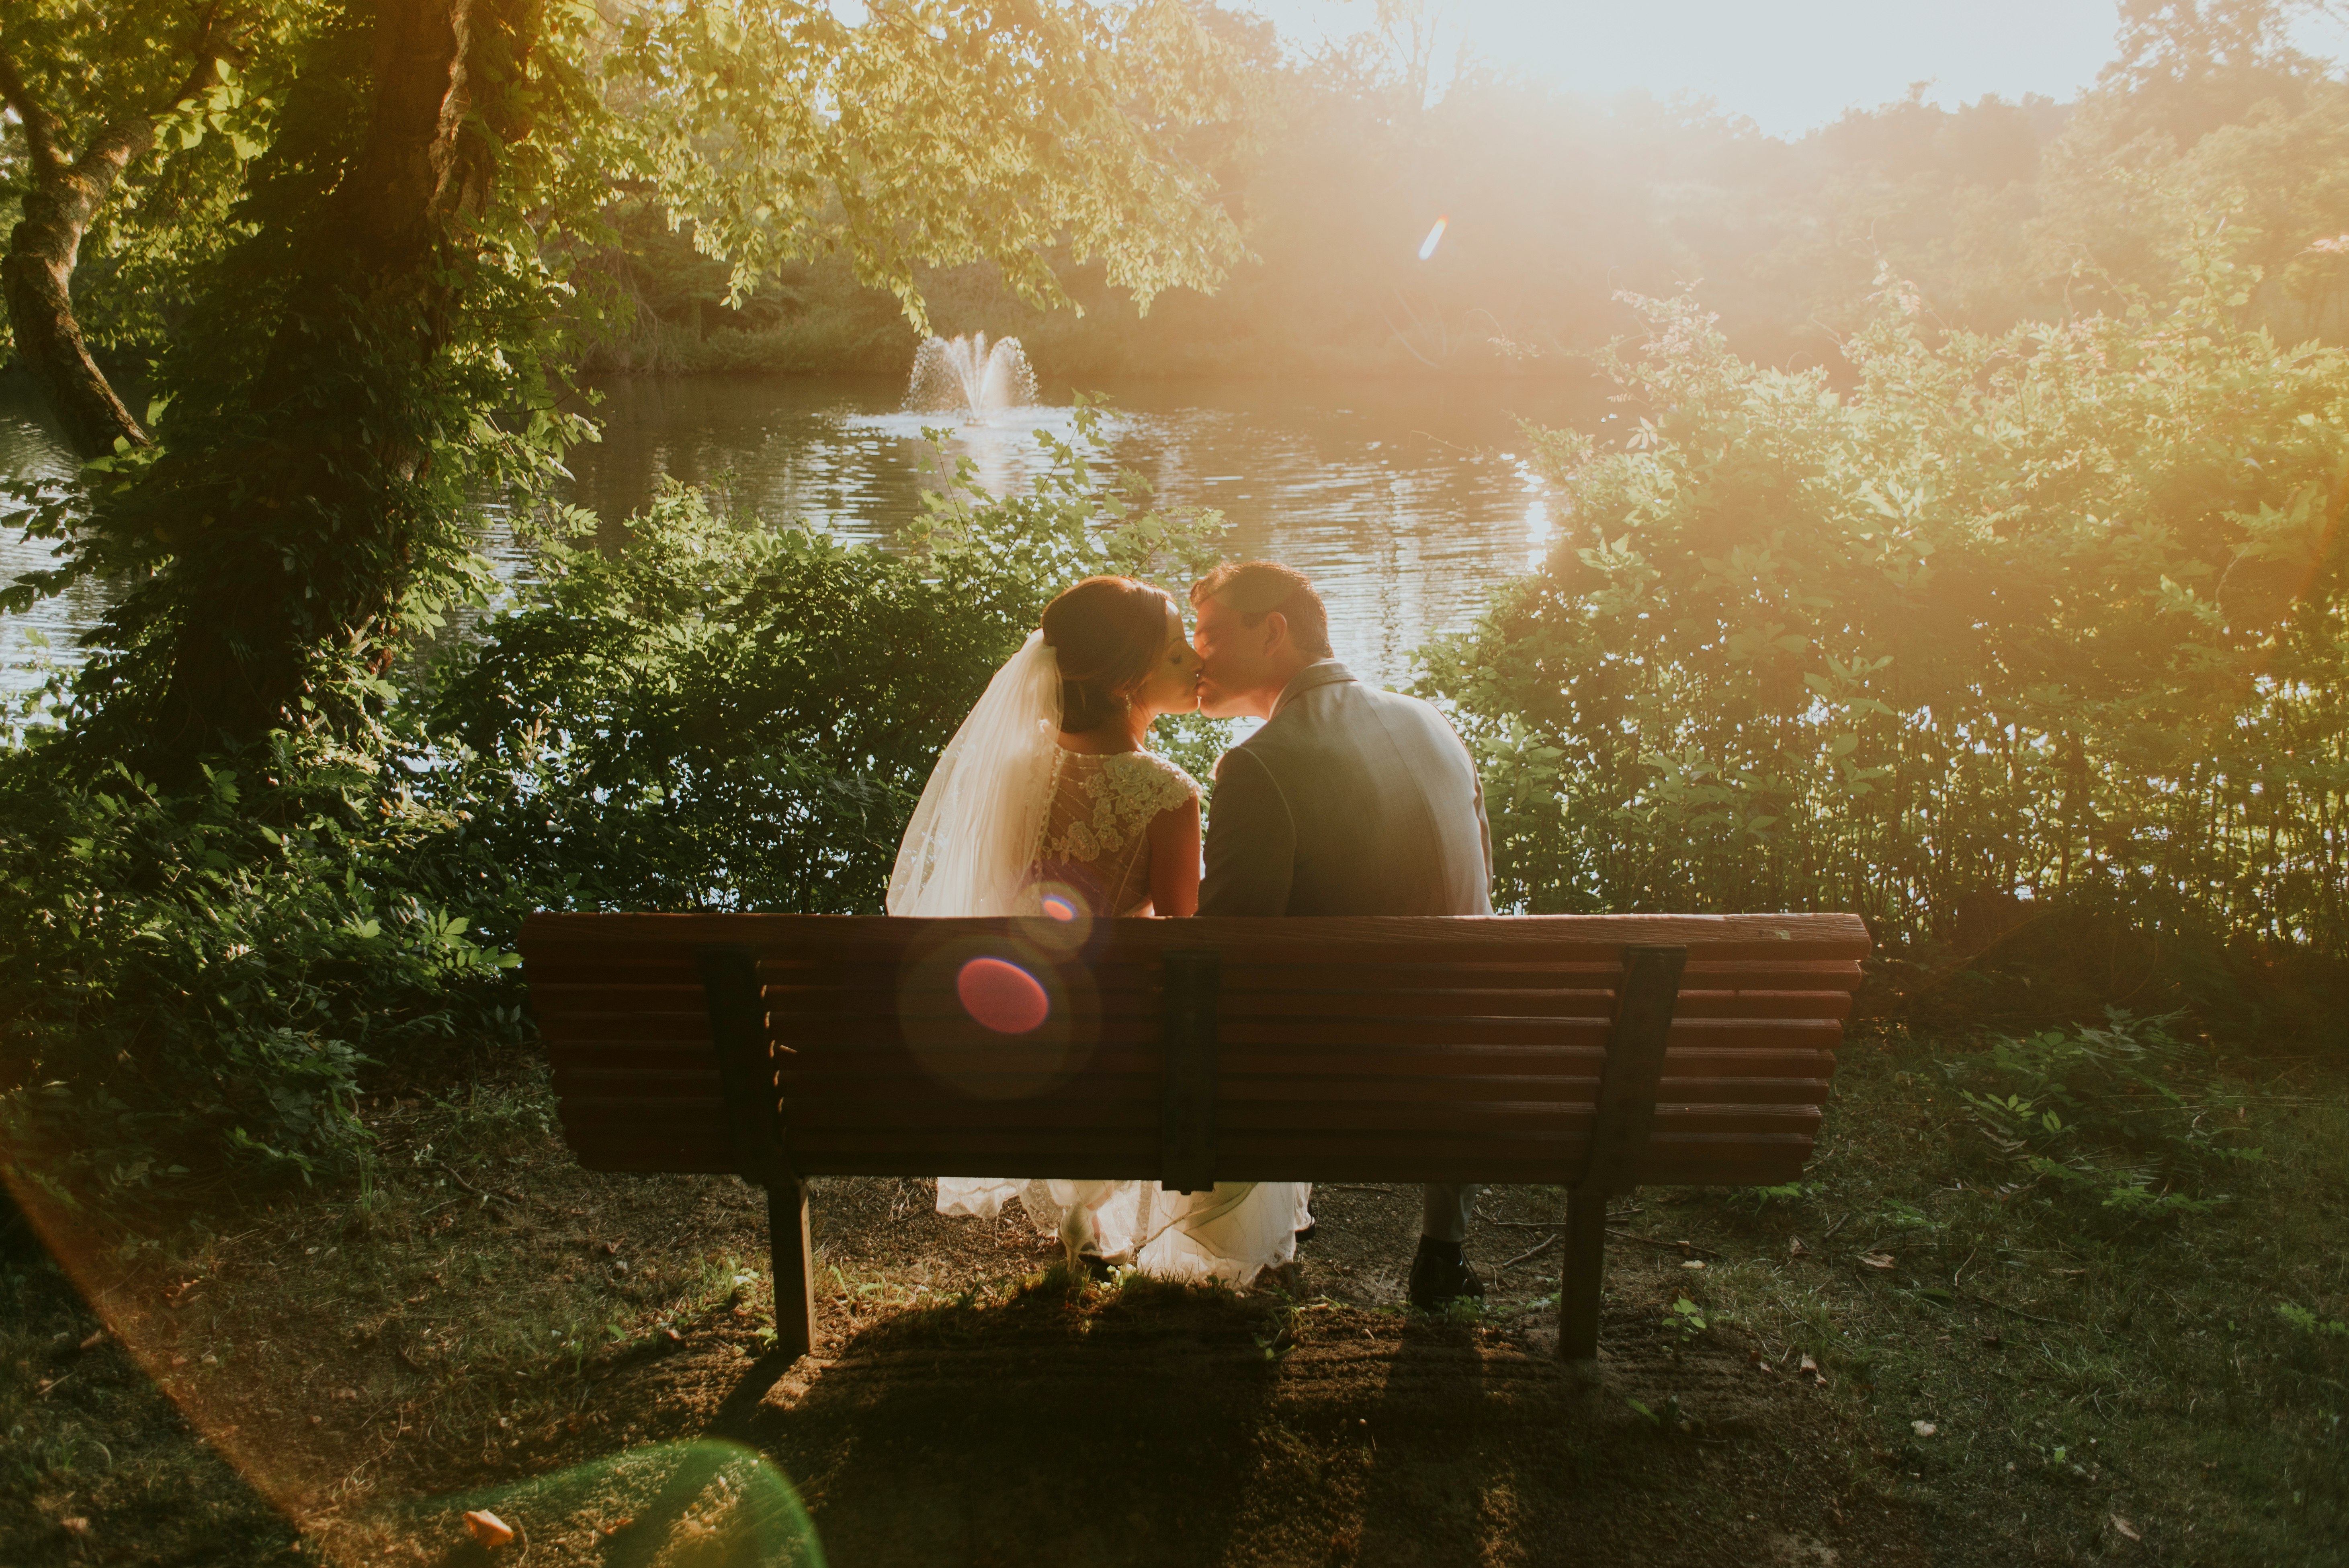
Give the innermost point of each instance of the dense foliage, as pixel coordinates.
(725, 715)
(2062, 611)
(202, 973)
(2123, 1116)
(2000, 211)
(377, 325)
(731, 715)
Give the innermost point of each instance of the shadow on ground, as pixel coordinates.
(1161, 1426)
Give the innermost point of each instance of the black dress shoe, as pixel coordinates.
(1096, 1265)
(1305, 1236)
(1440, 1274)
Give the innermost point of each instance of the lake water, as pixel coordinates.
(1405, 503)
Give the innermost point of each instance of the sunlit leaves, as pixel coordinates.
(934, 131)
(2060, 610)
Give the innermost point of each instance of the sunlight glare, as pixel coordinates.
(1434, 237)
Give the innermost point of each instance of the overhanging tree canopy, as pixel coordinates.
(93, 94)
(399, 288)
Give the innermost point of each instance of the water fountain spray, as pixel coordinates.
(968, 375)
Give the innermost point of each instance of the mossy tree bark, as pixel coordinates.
(303, 535)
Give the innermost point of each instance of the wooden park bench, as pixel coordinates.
(1598, 1053)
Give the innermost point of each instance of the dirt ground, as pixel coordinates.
(341, 1377)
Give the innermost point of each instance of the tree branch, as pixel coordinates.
(125, 139)
(40, 125)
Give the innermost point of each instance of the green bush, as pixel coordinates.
(724, 715)
(2062, 611)
(727, 715)
(2127, 1115)
(203, 975)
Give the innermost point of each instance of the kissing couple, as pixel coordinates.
(1347, 801)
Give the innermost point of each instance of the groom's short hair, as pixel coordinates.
(1257, 588)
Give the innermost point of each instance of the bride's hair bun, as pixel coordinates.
(1108, 632)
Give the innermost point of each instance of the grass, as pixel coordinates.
(2034, 1373)
(2091, 1379)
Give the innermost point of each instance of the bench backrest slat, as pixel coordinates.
(1344, 1048)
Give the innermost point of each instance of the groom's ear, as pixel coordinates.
(1275, 629)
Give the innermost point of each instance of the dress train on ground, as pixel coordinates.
(1230, 1233)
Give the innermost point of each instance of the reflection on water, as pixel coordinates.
(1404, 502)
(31, 448)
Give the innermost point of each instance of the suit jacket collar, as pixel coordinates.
(1325, 672)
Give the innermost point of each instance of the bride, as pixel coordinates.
(1046, 781)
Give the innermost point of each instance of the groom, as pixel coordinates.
(1349, 800)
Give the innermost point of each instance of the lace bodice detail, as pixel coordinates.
(1097, 833)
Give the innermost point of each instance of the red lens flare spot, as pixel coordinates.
(1060, 906)
(1002, 997)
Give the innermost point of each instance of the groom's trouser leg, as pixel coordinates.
(1445, 1211)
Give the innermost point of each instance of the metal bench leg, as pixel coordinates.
(787, 1237)
(1625, 1112)
(1585, 1268)
(754, 1116)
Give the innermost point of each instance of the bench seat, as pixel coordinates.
(1594, 1052)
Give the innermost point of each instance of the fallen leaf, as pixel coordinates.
(1877, 1260)
(611, 1248)
(1923, 1428)
(1693, 1263)
(347, 1393)
(1795, 1248)
(2125, 1528)
(1809, 1364)
(77, 1525)
(94, 1340)
(488, 1528)
(674, 1335)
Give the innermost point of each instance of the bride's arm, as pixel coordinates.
(1174, 860)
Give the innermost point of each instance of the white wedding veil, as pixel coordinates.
(972, 844)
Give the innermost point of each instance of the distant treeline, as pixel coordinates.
(1998, 211)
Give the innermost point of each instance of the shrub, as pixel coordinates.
(730, 715)
(2062, 611)
(724, 715)
(2127, 1115)
(203, 975)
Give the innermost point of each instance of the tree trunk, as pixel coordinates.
(36, 273)
(322, 554)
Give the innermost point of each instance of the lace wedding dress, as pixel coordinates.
(1007, 811)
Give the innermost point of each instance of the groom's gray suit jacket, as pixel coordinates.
(1349, 800)
(1353, 800)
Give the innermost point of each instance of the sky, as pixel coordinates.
(1790, 65)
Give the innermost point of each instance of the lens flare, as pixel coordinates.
(1064, 919)
(1002, 997)
(708, 1502)
(1434, 238)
